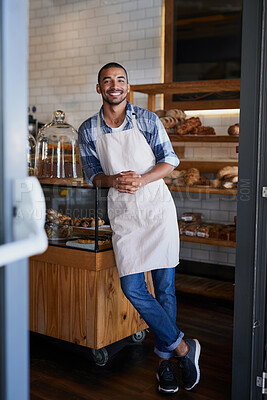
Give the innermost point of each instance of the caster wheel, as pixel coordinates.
(138, 337)
(100, 356)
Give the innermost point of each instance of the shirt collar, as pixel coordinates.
(128, 125)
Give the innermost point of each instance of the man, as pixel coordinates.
(127, 149)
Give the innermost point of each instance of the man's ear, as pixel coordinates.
(128, 90)
(98, 88)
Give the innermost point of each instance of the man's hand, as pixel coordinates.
(128, 182)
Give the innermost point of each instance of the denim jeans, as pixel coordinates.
(158, 312)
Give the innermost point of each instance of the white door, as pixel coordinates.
(21, 229)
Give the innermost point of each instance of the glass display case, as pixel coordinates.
(57, 152)
(31, 144)
(76, 217)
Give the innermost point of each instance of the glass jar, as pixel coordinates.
(57, 225)
(31, 144)
(57, 152)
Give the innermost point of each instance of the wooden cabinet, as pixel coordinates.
(75, 295)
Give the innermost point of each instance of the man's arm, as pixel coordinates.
(102, 180)
(129, 181)
(159, 171)
(128, 178)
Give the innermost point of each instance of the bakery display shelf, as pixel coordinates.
(81, 230)
(212, 242)
(202, 189)
(204, 138)
(64, 182)
(204, 165)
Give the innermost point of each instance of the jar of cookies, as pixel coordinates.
(57, 153)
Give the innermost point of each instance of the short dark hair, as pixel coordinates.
(111, 65)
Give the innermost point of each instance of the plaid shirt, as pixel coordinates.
(149, 125)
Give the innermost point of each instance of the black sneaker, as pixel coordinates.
(189, 364)
(166, 378)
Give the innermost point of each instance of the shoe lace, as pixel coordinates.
(167, 372)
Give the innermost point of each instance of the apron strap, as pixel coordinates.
(134, 120)
(98, 126)
(98, 123)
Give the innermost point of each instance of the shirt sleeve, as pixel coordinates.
(161, 145)
(89, 158)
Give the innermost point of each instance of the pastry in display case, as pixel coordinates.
(77, 217)
(57, 153)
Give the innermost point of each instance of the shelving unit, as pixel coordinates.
(213, 242)
(201, 139)
(178, 141)
(202, 189)
(208, 166)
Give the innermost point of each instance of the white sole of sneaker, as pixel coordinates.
(161, 390)
(197, 354)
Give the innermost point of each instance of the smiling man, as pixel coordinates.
(127, 149)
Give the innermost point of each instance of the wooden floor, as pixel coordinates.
(65, 372)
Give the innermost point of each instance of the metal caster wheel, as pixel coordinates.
(138, 337)
(100, 356)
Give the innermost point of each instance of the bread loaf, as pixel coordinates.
(203, 180)
(203, 130)
(189, 124)
(229, 170)
(191, 229)
(191, 217)
(203, 230)
(160, 113)
(191, 176)
(178, 114)
(233, 130)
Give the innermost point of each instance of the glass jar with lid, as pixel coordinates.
(57, 152)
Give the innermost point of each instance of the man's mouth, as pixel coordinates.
(115, 93)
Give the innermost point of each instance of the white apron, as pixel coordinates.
(144, 224)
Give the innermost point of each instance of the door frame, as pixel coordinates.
(251, 255)
(14, 330)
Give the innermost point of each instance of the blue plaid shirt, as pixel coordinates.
(149, 125)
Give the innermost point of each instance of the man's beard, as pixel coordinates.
(114, 102)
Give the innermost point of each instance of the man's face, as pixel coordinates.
(113, 86)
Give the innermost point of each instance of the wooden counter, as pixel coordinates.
(75, 295)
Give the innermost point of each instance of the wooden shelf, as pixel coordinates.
(208, 166)
(204, 286)
(200, 139)
(213, 242)
(64, 182)
(210, 86)
(224, 85)
(202, 189)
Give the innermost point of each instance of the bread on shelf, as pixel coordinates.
(233, 130)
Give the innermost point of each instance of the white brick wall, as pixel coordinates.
(69, 41)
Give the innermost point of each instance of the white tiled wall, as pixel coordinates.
(69, 41)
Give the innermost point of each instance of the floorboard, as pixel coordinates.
(60, 371)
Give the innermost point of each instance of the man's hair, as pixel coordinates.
(111, 65)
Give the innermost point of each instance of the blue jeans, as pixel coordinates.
(158, 312)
